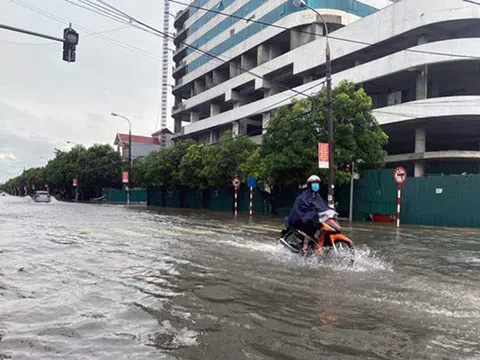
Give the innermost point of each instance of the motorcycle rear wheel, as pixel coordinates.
(293, 241)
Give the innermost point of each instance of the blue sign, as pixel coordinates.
(252, 182)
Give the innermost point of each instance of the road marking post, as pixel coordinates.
(251, 201)
(236, 202)
(236, 185)
(252, 183)
(399, 197)
(399, 176)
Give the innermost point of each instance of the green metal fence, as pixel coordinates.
(214, 199)
(442, 201)
(120, 196)
(433, 200)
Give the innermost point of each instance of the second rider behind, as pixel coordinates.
(305, 211)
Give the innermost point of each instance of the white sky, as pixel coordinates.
(44, 101)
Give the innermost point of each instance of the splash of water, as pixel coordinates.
(366, 259)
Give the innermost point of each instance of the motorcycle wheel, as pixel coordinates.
(293, 241)
(341, 252)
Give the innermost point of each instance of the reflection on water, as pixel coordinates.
(89, 281)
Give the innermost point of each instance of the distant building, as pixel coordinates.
(141, 145)
(164, 136)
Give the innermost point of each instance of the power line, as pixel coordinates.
(330, 36)
(105, 13)
(101, 13)
(149, 27)
(64, 21)
(260, 131)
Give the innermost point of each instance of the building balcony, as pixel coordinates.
(180, 52)
(180, 18)
(180, 37)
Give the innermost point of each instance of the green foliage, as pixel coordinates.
(161, 168)
(286, 158)
(225, 160)
(253, 166)
(290, 144)
(96, 167)
(192, 168)
(99, 166)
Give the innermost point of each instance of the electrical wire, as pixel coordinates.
(330, 37)
(163, 34)
(105, 38)
(260, 131)
(101, 13)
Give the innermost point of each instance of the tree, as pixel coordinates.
(192, 168)
(226, 159)
(289, 148)
(99, 166)
(161, 168)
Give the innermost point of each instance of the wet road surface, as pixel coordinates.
(108, 282)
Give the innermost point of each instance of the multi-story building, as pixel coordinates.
(419, 60)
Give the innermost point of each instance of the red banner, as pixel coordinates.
(125, 177)
(75, 182)
(323, 155)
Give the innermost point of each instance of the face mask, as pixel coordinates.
(315, 187)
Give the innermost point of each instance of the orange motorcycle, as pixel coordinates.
(329, 242)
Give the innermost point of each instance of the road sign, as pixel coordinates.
(399, 175)
(252, 182)
(236, 182)
(323, 155)
(125, 177)
(75, 181)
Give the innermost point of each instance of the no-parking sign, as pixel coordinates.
(399, 175)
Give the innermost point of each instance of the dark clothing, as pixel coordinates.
(305, 211)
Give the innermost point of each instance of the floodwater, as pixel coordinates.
(81, 281)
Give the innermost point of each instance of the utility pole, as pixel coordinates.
(328, 76)
(331, 140)
(129, 193)
(129, 154)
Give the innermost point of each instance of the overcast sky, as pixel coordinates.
(44, 101)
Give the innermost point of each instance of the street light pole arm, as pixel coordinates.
(123, 117)
(129, 123)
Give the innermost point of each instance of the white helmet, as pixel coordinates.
(313, 179)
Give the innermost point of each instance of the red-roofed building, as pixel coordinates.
(164, 136)
(143, 145)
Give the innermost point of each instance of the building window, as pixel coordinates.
(232, 32)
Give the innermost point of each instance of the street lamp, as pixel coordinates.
(328, 75)
(129, 153)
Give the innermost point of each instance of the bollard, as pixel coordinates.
(251, 201)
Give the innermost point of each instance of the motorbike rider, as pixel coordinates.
(306, 209)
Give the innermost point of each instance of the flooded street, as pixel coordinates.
(82, 281)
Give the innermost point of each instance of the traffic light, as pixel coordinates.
(70, 41)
